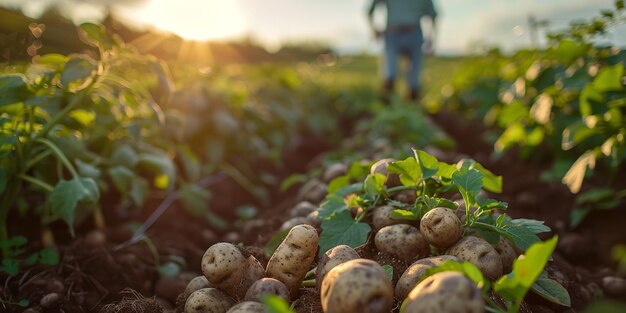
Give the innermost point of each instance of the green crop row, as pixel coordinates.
(567, 101)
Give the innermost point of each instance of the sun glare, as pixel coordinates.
(193, 19)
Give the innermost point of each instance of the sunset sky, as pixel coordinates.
(342, 23)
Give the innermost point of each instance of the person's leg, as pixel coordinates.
(416, 56)
(391, 61)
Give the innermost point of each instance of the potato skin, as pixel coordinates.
(441, 227)
(445, 292)
(265, 286)
(414, 273)
(254, 272)
(332, 258)
(381, 218)
(507, 254)
(359, 285)
(225, 267)
(293, 257)
(248, 307)
(302, 209)
(196, 283)
(480, 253)
(333, 171)
(312, 191)
(403, 241)
(208, 300)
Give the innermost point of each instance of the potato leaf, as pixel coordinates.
(526, 270)
(342, 229)
(551, 290)
(13, 88)
(375, 184)
(67, 194)
(276, 304)
(466, 268)
(428, 163)
(408, 170)
(469, 181)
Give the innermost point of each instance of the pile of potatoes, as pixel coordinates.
(234, 281)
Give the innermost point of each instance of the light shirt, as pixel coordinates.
(401, 13)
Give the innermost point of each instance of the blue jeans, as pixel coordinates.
(407, 42)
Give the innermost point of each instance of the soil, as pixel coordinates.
(97, 274)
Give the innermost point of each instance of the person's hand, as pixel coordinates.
(427, 47)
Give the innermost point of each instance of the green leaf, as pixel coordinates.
(358, 170)
(342, 229)
(122, 178)
(124, 155)
(609, 78)
(67, 194)
(335, 202)
(389, 270)
(13, 88)
(408, 170)
(161, 166)
(338, 183)
(31, 260)
(469, 181)
(428, 163)
(577, 216)
(10, 266)
(48, 256)
(95, 35)
(23, 303)
(276, 304)
(491, 182)
(534, 226)
(445, 170)
(466, 268)
(403, 215)
(521, 235)
(606, 306)
(76, 70)
(87, 170)
(195, 199)
(375, 184)
(526, 270)
(551, 290)
(292, 180)
(576, 174)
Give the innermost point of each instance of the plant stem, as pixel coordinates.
(400, 188)
(57, 118)
(309, 283)
(37, 182)
(60, 156)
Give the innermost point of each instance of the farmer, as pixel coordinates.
(403, 35)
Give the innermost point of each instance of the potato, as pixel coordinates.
(359, 285)
(196, 283)
(380, 167)
(332, 258)
(293, 257)
(302, 209)
(309, 219)
(403, 241)
(507, 254)
(445, 292)
(312, 191)
(334, 170)
(227, 268)
(254, 272)
(265, 286)
(414, 273)
(441, 227)
(208, 300)
(248, 307)
(381, 218)
(480, 253)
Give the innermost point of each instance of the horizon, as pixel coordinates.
(341, 25)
